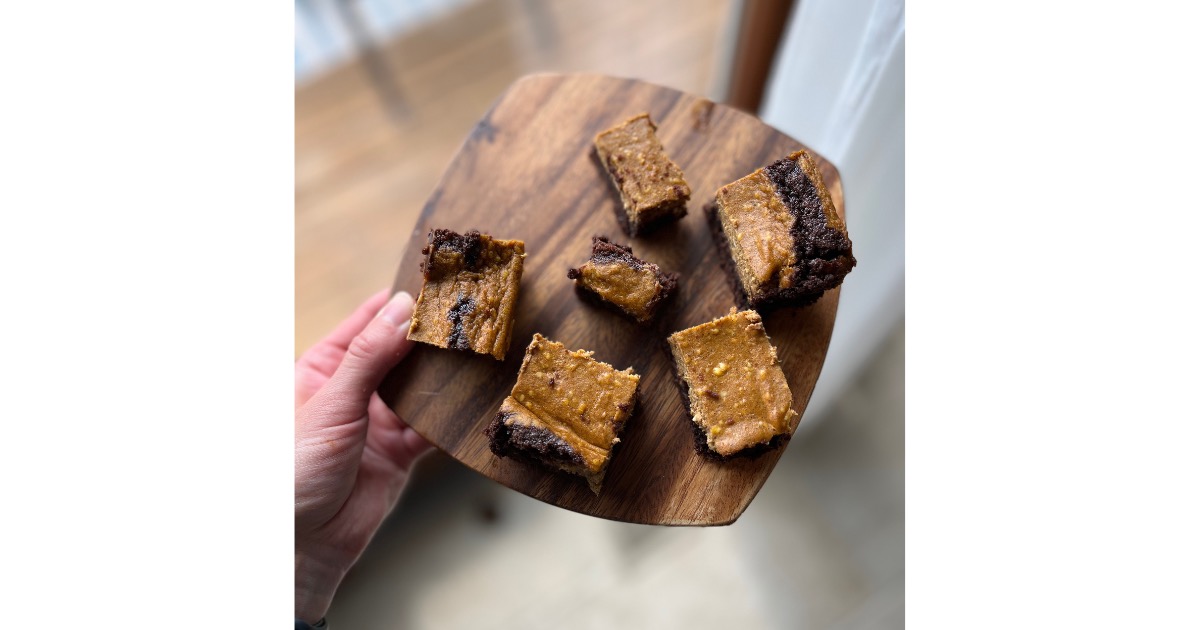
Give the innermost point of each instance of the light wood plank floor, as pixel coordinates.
(362, 176)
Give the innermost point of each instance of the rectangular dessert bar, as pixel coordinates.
(631, 285)
(651, 186)
(737, 393)
(566, 411)
(783, 235)
(469, 293)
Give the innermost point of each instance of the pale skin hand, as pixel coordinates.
(353, 453)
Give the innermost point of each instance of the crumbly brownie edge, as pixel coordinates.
(824, 253)
(671, 212)
(805, 198)
(699, 439)
(605, 249)
(532, 444)
(470, 244)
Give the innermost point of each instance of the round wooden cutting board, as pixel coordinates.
(528, 172)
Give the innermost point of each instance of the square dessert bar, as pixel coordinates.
(652, 188)
(469, 293)
(614, 275)
(738, 396)
(565, 412)
(786, 241)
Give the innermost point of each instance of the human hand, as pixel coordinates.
(353, 453)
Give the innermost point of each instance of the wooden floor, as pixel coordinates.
(362, 174)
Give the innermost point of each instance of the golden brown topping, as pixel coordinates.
(632, 289)
(650, 184)
(588, 416)
(636, 287)
(734, 351)
(761, 228)
(470, 292)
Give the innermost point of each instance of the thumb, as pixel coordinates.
(368, 359)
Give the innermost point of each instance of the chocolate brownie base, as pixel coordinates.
(824, 252)
(670, 214)
(537, 445)
(470, 245)
(534, 444)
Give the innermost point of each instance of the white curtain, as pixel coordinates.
(838, 87)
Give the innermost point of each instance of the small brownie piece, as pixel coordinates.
(470, 291)
(652, 188)
(566, 411)
(787, 243)
(613, 274)
(738, 396)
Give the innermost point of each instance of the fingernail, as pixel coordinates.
(399, 309)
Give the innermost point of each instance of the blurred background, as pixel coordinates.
(386, 90)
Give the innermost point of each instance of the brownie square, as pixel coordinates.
(627, 283)
(785, 239)
(652, 188)
(565, 412)
(469, 293)
(737, 393)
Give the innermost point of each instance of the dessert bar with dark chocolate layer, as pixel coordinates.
(782, 233)
(652, 188)
(566, 411)
(631, 285)
(469, 293)
(737, 394)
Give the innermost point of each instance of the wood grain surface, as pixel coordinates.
(527, 171)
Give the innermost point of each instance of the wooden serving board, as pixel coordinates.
(528, 171)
